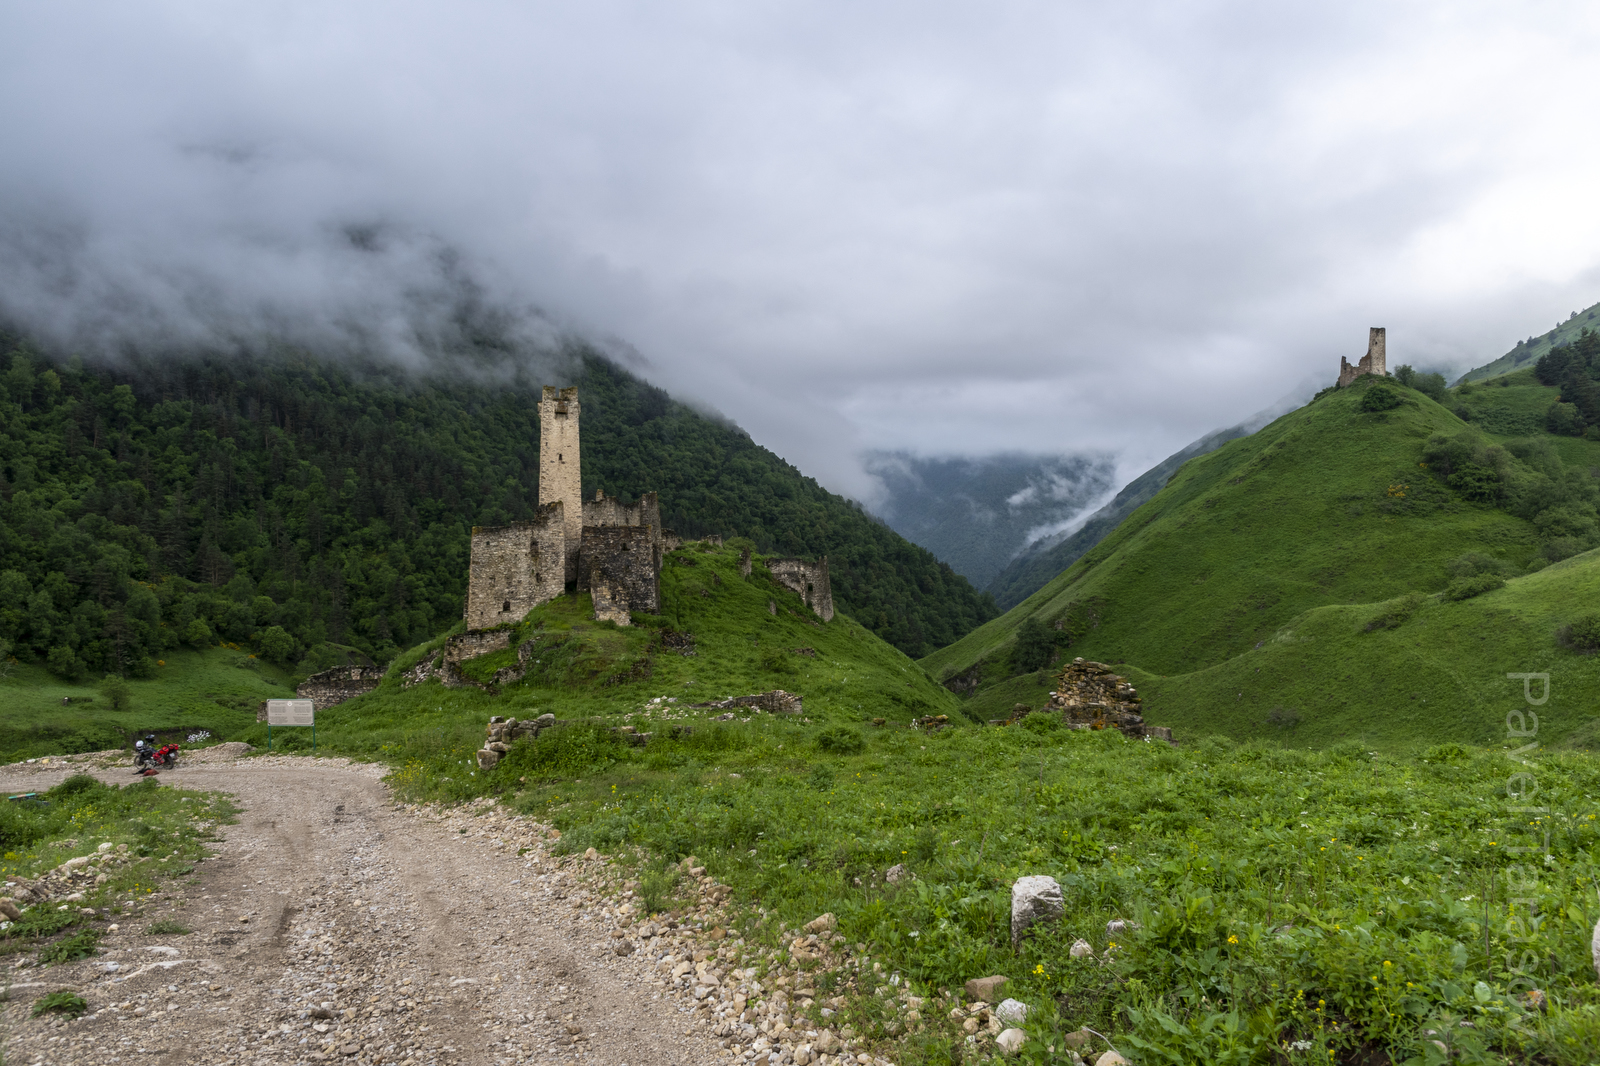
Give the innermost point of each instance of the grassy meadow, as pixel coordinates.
(215, 689)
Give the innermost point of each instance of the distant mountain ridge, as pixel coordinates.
(977, 514)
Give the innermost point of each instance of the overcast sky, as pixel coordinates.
(951, 229)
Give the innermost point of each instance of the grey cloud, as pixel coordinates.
(930, 228)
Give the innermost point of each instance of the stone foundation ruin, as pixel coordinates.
(334, 686)
(1374, 362)
(1089, 696)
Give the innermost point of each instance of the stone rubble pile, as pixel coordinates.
(503, 732)
(1089, 695)
(775, 702)
(67, 883)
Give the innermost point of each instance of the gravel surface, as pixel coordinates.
(334, 925)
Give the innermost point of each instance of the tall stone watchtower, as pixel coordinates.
(560, 470)
(1374, 362)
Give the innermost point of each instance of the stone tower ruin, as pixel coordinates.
(1374, 362)
(810, 580)
(602, 546)
(560, 471)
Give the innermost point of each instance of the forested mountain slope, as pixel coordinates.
(284, 502)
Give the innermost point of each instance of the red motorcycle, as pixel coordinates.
(149, 759)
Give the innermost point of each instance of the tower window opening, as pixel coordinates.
(506, 606)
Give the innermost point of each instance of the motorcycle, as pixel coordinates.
(149, 759)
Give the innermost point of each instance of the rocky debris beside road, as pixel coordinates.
(67, 883)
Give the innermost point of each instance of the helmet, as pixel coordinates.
(151, 737)
(138, 744)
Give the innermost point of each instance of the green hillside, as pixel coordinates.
(1526, 351)
(288, 504)
(719, 635)
(1033, 570)
(1224, 592)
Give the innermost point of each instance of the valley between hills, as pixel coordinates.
(1370, 626)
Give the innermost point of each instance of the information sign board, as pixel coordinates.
(291, 712)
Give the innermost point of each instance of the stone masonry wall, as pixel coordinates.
(339, 684)
(560, 469)
(1089, 695)
(1376, 361)
(606, 510)
(810, 580)
(621, 569)
(515, 568)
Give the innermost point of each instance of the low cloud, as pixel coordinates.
(928, 228)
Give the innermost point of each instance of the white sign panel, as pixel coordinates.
(290, 712)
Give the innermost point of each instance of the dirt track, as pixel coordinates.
(421, 940)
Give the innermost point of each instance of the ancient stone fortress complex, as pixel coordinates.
(609, 549)
(1374, 362)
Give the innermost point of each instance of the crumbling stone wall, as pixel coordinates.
(339, 684)
(515, 568)
(1376, 361)
(621, 570)
(560, 469)
(606, 510)
(810, 580)
(775, 702)
(1089, 695)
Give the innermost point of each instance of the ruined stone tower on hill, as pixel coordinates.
(603, 546)
(560, 470)
(1374, 362)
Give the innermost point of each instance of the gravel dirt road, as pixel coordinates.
(334, 925)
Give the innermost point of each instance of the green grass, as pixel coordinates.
(67, 1004)
(1262, 879)
(1440, 675)
(216, 689)
(1246, 585)
(154, 833)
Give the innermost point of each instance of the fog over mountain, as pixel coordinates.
(927, 229)
(979, 514)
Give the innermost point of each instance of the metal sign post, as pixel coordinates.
(292, 712)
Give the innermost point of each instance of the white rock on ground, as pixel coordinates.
(1034, 899)
(1011, 1041)
(1080, 949)
(1012, 1012)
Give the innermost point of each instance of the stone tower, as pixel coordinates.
(560, 471)
(1374, 362)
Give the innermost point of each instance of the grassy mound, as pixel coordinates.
(719, 635)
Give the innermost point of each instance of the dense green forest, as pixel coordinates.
(287, 503)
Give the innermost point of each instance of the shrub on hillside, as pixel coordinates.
(1581, 634)
(1035, 646)
(1381, 397)
(1446, 753)
(1395, 612)
(839, 740)
(116, 692)
(1472, 564)
(1467, 587)
(277, 645)
(1432, 385)
(1564, 420)
(1560, 548)
(64, 663)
